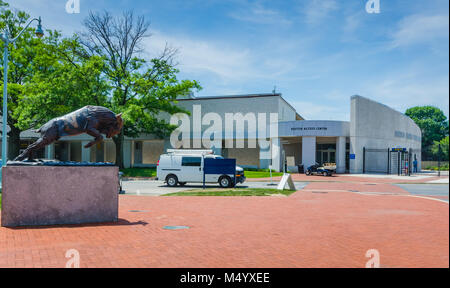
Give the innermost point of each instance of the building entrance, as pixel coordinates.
(326, 153)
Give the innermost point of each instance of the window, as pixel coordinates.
(192, 161)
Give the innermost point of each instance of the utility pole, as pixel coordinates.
(439, 160)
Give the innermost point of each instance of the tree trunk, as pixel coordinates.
(118, 140)
(13, 143)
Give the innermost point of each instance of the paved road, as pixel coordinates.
(156, 188)
(440, 190)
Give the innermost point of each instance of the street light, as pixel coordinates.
(5, 38)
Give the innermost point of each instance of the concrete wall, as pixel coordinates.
(309, 151)
(248, 158)
(293, 153)
(151, 150)
(223, 105)
(377, 126)
(285, 111)
(244, 105)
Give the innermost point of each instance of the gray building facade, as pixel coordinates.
(356, 146)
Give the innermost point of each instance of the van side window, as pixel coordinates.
(192, 161)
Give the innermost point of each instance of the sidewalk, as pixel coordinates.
(356, 178)
(314, 227)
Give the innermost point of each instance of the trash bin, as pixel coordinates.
(301, 169)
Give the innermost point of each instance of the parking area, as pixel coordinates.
(439, 191)
(157, 188)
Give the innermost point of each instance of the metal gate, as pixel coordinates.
(400, 161)
(375, 160)
(387, 161)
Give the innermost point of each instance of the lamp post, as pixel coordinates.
(5, 38)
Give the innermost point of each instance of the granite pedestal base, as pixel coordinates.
(41, 195)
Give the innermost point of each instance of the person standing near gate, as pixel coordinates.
(415, 164)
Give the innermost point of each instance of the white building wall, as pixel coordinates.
(243, 105)
(309, 151)
(226, 105)
(285, 111)
(341, 144)
(377, 126)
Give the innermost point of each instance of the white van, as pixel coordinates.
(186, 166)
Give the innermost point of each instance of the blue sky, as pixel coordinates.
(317, 53)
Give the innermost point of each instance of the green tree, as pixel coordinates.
(433, 123)
(63, 81)
(47, 78)
(444, 151)
(21, 56)
(140, 88)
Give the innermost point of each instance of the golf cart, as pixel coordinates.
(326, 170)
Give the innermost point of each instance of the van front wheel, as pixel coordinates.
(172, 181)
(225, 182)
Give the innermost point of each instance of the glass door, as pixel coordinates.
(325, 156)
(328, 156)
(326, 153)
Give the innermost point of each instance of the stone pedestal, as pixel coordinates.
(47, 195)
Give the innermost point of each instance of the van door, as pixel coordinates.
(191, 170)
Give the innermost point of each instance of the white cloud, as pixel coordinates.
(227, 62)
(351, 26)
(200, 56)
(420, 29)
(405, 91)
(316, 11)
(257, 13)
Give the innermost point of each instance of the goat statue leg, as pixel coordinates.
(96, 134)
(29, 152)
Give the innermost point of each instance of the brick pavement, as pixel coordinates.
(311, 228)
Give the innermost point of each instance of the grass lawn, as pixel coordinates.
(261, 174)
(139, 172)
(435, 168)
(233, 192)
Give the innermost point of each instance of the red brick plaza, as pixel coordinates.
(327, 224)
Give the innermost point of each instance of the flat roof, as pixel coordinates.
(244, 96)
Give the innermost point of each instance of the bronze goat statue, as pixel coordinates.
(92, 120)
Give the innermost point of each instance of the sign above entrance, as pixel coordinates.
(314, 128)
(399, 149)
(309, 128)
